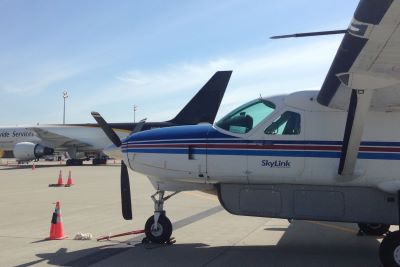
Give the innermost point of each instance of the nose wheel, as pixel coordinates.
(158, 227)
(160, 232)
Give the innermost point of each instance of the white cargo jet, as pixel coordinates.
(330, 155)
(80, 140)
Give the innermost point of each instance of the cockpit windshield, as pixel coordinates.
(247, 116)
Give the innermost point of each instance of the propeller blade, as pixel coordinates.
(125, 193)
(125, 185)
(107, 129)
(139, 126)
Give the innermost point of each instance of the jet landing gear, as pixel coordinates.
(74, 162)
(97, 161)
(158, 227)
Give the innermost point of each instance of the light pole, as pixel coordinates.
(134, 113)
(65, 96)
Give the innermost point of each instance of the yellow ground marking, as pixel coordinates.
(340, 228)
(215, 199)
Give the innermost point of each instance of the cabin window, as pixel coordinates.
(246, 117)
(287, 124)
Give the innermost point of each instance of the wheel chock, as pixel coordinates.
(171, 241)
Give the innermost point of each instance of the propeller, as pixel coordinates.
(125, 185)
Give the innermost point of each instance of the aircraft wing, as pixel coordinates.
(368, 58)
(365, 74)
(57, 140)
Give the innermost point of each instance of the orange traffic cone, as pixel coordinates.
(69, 181)
(33, 166)
(57, 227)
(60, 181)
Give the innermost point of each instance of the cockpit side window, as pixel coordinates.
(287, 124)
(246, 117)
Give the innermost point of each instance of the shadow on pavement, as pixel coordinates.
(303, 244)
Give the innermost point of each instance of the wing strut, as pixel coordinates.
(357, 113)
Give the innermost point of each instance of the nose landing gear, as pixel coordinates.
(158, 227)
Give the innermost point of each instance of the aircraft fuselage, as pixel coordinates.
(302, 160)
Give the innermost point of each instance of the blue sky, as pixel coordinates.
(110, 55)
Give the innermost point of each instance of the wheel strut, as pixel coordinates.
(159, 199)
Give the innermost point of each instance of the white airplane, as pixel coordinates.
(80, 140)
(329, 155)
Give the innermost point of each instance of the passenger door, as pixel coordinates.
(276, 151)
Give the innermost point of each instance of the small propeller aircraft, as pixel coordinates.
(328, 155)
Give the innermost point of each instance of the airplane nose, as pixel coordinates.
(113, 152)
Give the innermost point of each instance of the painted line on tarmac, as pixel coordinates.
(111, 251)
(336, 227)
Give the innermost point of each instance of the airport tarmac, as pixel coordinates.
(206, 235)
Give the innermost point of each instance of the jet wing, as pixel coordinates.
(57, 140)
(365, 74)
(368, 58)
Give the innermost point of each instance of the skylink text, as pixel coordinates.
(275, 164)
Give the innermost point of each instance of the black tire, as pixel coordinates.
(374, 229)
(74, 162)
(163, 234)
(98, 161)
(389, 250)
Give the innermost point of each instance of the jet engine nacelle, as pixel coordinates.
(29, 151)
